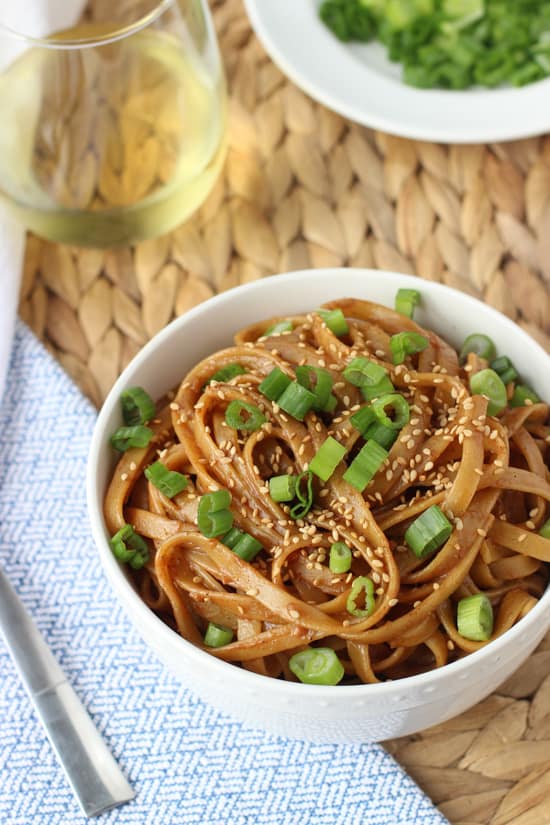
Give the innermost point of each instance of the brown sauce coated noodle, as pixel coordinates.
(488, 474)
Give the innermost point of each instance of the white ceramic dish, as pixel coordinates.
(359, 82)
(325, 714)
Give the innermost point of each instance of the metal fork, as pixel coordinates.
(95, 777)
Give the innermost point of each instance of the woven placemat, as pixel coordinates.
(305, 188)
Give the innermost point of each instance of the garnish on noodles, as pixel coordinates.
(337, 498)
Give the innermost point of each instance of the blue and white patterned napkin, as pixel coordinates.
(189, 764)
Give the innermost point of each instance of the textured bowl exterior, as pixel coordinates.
(346, 714)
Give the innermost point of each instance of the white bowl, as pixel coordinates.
(358, 713)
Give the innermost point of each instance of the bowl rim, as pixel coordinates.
(140, 613)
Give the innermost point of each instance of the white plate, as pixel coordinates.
(360, 83)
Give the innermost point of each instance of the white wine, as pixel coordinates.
(110, 144)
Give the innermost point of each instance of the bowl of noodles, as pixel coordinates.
(323, 500)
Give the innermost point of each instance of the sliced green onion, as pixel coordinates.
(451, 44)
(474, 618)
(522, 394)
(243, 416)
(362, 588)
(278, 328)
(479, 343)
(274, 384)
(363, 419)
(232, 538)
(348, 21)
(169, 482)
(406, 343)
(406, 300)
(218, 500)
(243, 544)
(214, 517)
(400, 409)
(226, 373)
(137, 406)
(304, 494)
(327, 458)
(127, 437)
(488, 383)
(335, 321)
(139, 560)
(317, 666)
(129, 547)
(296, 401)
(218, 523)
(318, 381)
(428, 532)
(545, 530)
(331, 404)
(361, 372)
(282, 488)
(508, 376)
(383, 435)
(247, 548)
(505, 369)
(385, 386)
(217, 636)
(365, 465)
(339, 558)
(370, 427)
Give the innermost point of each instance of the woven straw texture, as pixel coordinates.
(302, 188)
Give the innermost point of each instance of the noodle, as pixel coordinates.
(487, 474)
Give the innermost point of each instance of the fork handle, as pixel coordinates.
(95, 777)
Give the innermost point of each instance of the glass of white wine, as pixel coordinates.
(113, 116)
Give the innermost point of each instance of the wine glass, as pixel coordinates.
(113, 116)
